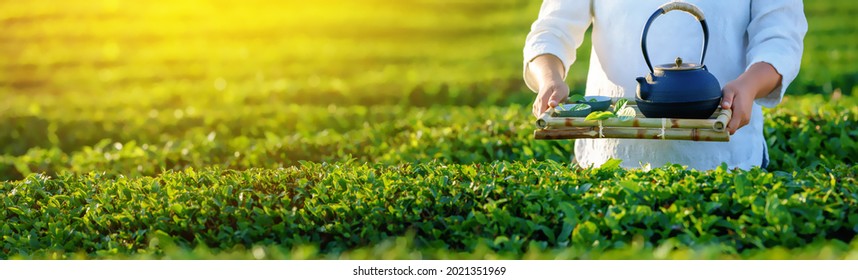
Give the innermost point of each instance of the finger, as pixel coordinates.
(556, 98)
(553, 102)
(735, 119)
(733, 125)
(727, 101)
(741, 114)
(737, 125)
(538, 110)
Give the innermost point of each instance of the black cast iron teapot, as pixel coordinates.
(679, 89)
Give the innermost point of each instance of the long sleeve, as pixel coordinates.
(559, 30)
(775, 35)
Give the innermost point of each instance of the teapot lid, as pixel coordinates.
(678, 66)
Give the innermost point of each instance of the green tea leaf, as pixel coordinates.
(600, 115)
(16, 210)
(741, 183)
(630, 186)
(585, 233)
(611, 164)
(626, 114)
(480, 217)
(570, 107)
(620, 105)
(566, 232)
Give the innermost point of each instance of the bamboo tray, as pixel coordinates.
(711, 129)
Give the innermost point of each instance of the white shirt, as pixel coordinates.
(741, 33)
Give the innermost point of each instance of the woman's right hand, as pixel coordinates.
(547, 72)
(551, 93)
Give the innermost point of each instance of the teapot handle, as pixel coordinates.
(681, 6)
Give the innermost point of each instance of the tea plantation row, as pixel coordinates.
(506, 207)
(162, 246)
(804, 132)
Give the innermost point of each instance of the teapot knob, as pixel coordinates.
(678, 61)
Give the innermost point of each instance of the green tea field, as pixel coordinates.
(335, 129)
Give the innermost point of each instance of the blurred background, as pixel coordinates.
(137, 87)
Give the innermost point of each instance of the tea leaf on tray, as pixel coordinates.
(621, 104)
(570, 107)
(626, 114)
(600, 115)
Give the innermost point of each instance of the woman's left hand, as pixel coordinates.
(738, 97)
(739, 94)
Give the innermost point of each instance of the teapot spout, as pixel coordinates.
(644, 88)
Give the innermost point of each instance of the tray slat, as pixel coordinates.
(693, 134)
(641, 127)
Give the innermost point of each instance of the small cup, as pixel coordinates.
(572, 110)
(597, 103)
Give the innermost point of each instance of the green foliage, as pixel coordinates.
(571, 107)
(403, 248)
(600, 115)
(218, 129)
(507, 207)
(575, 98)
(620, 105)
(812, 131)
(803, 132)
(626, 114)
(620, 111)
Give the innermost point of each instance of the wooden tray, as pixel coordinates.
(711, 129)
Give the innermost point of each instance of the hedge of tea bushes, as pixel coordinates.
(812, 131)
(162, 247)
(273, 137)
(803, 132)
(506, 207)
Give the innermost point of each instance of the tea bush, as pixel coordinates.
(804, 132)
(507, 207)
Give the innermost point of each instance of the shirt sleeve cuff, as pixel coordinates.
(774, 97)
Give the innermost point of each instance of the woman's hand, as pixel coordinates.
(739, 94)
(550, 95)
(548, 73)
(739, 97)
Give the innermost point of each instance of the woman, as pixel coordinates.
(754, 51)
